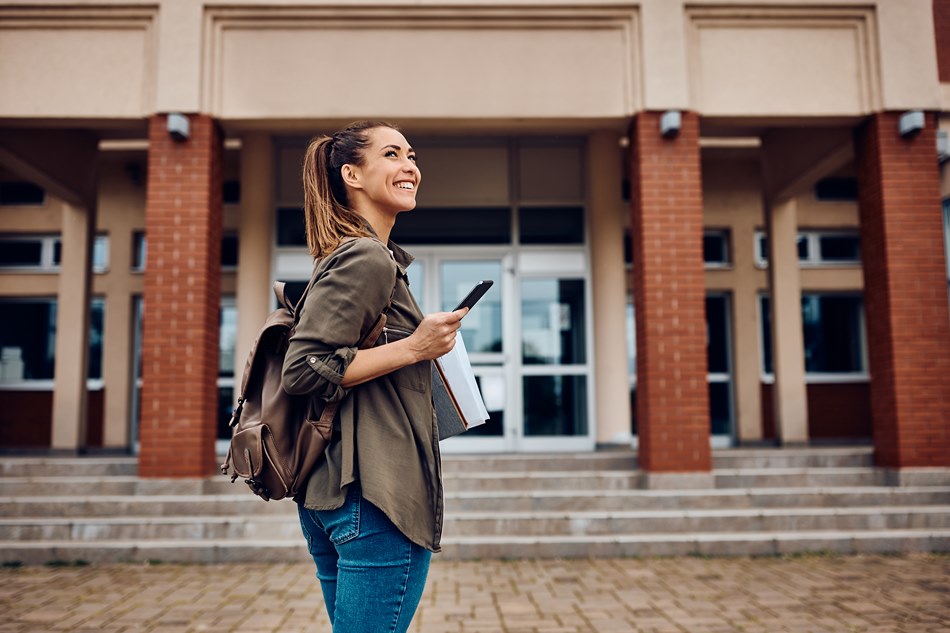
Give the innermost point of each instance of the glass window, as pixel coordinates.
(231, 192)
(225, 409)
(836, 189)
(229, 250)
(482, 327)
(138, 251)
(839, 248)
(832, 327)
(100, 254)
(291, 229)
(21, 193)
(492, 388)
(227, 339)
(551, 225)
(454, 226)
(552, 321)
(716, 247)
(97, 313)
(27, 339)
(720, 408)
(555, 405)
(804, 249)
(833, 334)
(17, 253)
(717, 337)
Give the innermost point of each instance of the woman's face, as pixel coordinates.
(389, 177)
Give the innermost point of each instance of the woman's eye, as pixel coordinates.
(412, 157)
(391, 152)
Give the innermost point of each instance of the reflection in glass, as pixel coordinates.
(552, 321)
(227, 340)
(555, 405)
(225, 404)
(492, 389)
(720, 408)
(717, 334)
(482, 327)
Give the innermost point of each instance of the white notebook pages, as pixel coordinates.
(459, 378)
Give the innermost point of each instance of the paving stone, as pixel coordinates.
(794, 594)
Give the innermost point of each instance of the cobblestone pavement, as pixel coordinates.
(805, 594)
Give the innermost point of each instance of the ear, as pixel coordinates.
(351, 176)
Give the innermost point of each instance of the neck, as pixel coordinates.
(382, 223)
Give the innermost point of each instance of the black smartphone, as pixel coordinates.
(474, 294)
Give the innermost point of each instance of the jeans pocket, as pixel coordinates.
(343, 524)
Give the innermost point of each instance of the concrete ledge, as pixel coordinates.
(904, 477)
(677, 481)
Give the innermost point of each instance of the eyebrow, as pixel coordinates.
(397, 148)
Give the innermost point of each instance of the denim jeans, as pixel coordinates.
(371, 575)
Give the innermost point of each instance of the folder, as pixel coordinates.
(458, 402)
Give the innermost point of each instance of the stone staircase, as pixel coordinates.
(763, 502)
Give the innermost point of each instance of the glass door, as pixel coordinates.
(439, 281)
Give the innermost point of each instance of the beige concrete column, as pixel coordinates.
(72, 329)
(256, 238)
(790, 401)
(117, 364)
(748, 360)
(605, 221)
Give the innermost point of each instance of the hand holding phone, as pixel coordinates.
(475, 294)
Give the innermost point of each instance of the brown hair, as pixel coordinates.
(326, 209)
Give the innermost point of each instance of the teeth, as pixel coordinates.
(406, 185)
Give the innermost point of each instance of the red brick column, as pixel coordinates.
(181, 301)
(669, 296)
(905, 293)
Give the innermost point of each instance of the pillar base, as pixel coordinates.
(677, 481)
(906, 477)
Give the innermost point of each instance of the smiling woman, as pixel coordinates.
(371, 511)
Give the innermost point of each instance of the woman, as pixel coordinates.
(372, 510)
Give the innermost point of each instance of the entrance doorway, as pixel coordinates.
(527, 340)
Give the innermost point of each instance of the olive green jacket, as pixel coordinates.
(387, 436)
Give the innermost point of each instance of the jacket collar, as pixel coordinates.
(402, 257)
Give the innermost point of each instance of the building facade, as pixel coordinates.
(709, 224)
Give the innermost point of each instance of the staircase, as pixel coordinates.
(764, 502)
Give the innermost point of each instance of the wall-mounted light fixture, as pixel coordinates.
(670, 123)
(911, 122)
(177, 126)
(943, 146)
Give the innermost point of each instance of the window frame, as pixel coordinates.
(812, 239)
(864, 375)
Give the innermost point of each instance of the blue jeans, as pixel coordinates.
(371, 575)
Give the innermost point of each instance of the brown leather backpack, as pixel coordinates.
(276, 443)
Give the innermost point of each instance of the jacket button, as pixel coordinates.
(312, 360)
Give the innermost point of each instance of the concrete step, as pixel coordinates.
(67, 466)
(678, 521)
(619, 459)
(481, 547)
(807, 457)
(822, 497)
(246, 504)
(491, 524)
(799, 477)
(461, 481)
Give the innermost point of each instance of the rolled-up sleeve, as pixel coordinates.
(348, 296)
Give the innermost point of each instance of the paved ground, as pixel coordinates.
(814, 594)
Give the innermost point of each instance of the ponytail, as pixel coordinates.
(327, 215)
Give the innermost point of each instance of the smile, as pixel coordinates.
(405, 185)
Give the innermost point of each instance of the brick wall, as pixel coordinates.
(836, 411)
(942, 31)
(181, 301)
(905, 293)
(669, 296)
